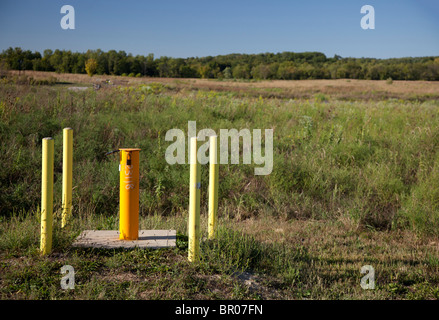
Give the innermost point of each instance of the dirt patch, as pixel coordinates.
(256, 284)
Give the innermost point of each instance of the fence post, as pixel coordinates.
(213, 186)
(67, 168)
(194, 203)
(47, 196)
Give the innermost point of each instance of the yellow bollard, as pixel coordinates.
(213, 186)
(67, 168)
(47, 196)
(194, 204)
(129, 194)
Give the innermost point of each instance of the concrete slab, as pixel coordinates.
(110, 239)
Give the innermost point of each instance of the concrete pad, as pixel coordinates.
(109, 239)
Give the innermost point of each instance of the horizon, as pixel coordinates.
(197, 28)
(220, 55)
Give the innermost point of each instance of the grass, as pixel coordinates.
(354, 182)
(295, 260)
(341, 89)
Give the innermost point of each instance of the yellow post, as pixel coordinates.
(213, 186)
(47, 196)
(194, 203)
(129, 194)
(67, 168)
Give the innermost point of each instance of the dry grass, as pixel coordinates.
(295, 89)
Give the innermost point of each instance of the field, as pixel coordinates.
(355, 182)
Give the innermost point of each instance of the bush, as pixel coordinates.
(320, 97)
(91, 66)
(45, 81)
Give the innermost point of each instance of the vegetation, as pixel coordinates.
(373, 162)
(91, 66)
(354, 182)
(285, 65)
(261, 259)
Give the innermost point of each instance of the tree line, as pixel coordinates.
(284, 65)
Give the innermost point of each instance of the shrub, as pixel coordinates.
(320, 97)
(91, 66)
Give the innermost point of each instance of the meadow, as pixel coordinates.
(355, 182)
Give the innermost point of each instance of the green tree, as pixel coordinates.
(261, 71)
(285, 65)
(286, 70)
(241, 72)
(227, 73)
(56, 60)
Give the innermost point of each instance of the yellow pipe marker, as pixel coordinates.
(47, 196)
(67, 168)
(194, 203)
(129, 194)
(213, 186)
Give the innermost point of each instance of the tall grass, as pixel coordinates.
(374, 162)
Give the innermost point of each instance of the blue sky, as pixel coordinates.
(196, 28)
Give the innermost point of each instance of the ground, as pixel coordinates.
(355, 185)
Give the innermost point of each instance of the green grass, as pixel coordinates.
(310, 263)
(375, 162)
(349, 177)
